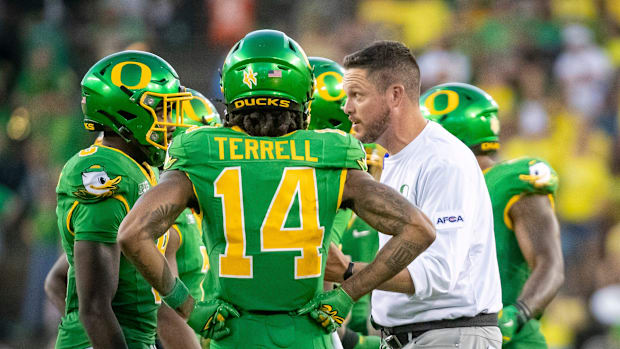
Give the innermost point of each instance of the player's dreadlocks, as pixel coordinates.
(269, 123)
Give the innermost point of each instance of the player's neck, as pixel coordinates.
(485, 161)
(128, 148)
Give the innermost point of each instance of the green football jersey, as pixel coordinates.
(208, 283)
(360, 240)
(341, 221)
(268, 204)
(507, 182)
(97, 188)
(192, 254)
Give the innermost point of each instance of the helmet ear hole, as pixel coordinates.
(236, 47)
(127, 115)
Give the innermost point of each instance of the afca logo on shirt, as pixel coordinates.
(449, 220)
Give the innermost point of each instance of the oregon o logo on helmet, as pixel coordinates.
(322, 88)
(453, 102)
(188, 109)
(145, 75)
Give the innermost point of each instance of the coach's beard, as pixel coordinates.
(378, 126)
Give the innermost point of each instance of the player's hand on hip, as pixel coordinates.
(510, 321)
(209, 318)
(328, 309)
(336, 265)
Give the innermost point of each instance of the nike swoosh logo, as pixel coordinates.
(359, 234)
(509, 323)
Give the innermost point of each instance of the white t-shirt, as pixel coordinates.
(458, 274)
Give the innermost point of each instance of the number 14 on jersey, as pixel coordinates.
(274, 236)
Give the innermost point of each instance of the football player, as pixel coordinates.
(326, 112)
(130, 96)
(522, 190)
(185, 250)
(268, 191)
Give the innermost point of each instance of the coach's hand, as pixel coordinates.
(510, 320)
(329, 309)
(209, 318)
(336, 265)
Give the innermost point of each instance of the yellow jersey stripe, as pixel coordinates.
(343, 178)
(511, 202)
(75, 203)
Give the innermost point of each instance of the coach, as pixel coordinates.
(449, 296)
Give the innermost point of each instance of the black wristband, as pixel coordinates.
(349, 272)
(525, 314)
(350, 339)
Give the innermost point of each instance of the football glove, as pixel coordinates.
(511, 319)
(328, 309)
(209, 318)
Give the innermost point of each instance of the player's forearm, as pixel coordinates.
(149, 261)
(401, 282)
(542, 285)
(538, 234)
(173, 331)
(149, 220)
(102, 327)
(390, 261)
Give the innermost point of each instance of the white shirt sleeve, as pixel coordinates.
(442, 192)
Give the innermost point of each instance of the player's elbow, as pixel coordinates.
(91, 311)
(551, 267)
(127, 238)
(424, 228)
(49, 285)
(558, 272)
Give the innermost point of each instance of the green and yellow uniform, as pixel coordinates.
(191, 256)
(268, 204)
(361, 242)
(97, 188)
(192, 262)
(341, 221)
(507, 182)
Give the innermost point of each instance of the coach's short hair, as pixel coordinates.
(388, 62)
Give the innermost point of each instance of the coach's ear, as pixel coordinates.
(395, 95)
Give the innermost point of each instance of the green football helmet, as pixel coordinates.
(267, 69)
(198, 111)
(125, 92)
(466, 111)
(329, 97)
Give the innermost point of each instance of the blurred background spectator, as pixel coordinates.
(552, 65)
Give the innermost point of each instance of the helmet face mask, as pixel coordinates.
(197, 111)
(267, 70)
(466, 111)
(125, 92)
(329, 96)
(168, 113)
